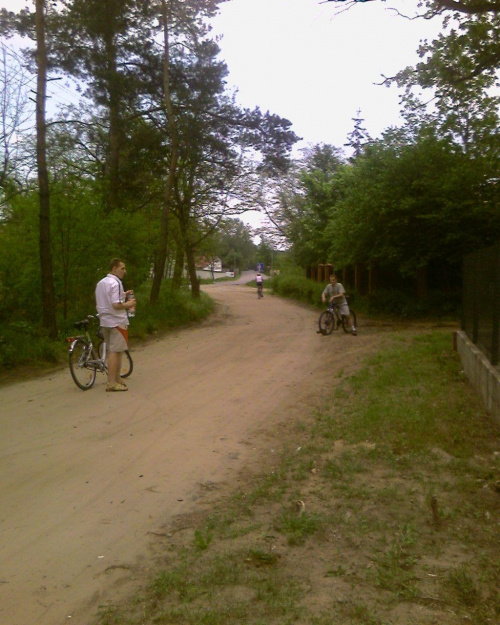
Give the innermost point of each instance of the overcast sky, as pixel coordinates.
(316, 63)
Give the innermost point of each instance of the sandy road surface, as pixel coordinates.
(88, 478)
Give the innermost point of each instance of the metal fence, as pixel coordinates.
(481, 300)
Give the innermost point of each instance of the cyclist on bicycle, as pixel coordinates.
(260, 283)
(335, 294)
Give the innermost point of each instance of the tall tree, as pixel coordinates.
(111, 38)
(465, 57)
(358, 137)
(47, 281)
(234, 245)
(213, 138)
(160, 255)
(314, 204)
(411, 206)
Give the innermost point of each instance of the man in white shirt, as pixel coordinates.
(112, 309)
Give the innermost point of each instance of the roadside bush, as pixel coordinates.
(295, 286)
(399, 303)
(24, 344)
(174, 309)
(393, 302)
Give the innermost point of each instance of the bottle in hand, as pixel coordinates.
(131, 311)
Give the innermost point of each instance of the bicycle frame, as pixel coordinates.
(98, 363)
(86, 359)
(335, 310)
(332, 319)
(94, 361)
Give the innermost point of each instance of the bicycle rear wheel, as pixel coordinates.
(82, 372)
(127, 363)
(326, 322)
(349, 321)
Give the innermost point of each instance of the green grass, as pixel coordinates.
(23, 345)
(401, 400)
(397, 478)
(297, 527)
(464, 586)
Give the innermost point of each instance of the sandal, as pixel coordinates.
(112, 388)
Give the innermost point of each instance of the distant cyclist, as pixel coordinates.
(334, 293)
(260, 282)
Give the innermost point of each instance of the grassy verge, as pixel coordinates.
(173, 310)
(24, 346)
(382, 508)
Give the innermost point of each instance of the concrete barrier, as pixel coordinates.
(483, 376)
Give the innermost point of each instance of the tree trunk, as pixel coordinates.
(47, 279)
(422, 283)
(373, 278)
(113, 160)
(160, 257)
(112, 167)
(178, 268)
(358, 272)
(162, 249)
(195, 283)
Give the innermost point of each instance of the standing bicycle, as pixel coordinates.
(334, 294)
(85, 360)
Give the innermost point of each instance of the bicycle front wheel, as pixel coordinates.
(82, 372)
(349, 321)
(127, 364)
(326, 322)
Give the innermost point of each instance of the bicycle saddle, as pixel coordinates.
(82, 324)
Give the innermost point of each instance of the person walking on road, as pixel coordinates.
(335, 293)
(112, 307)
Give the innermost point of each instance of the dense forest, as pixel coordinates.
(153, 160)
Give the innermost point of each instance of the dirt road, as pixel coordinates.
(88, 479)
